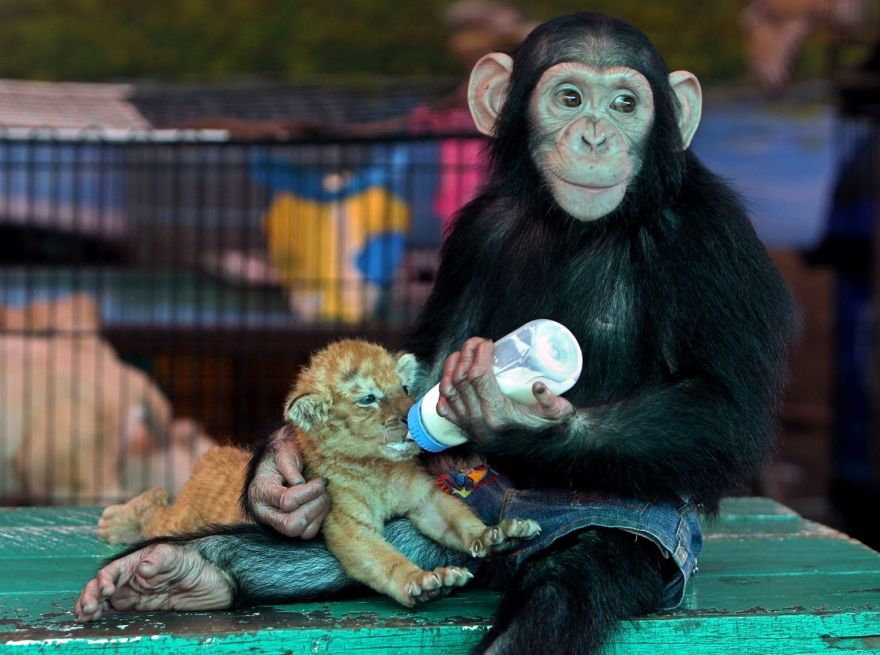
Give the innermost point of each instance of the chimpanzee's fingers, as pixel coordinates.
(88, 605)
(267, 491)
(477, 388)
(295, 497)
(289, 464)
(481, 375)
(448, 369)
(467, 353)
(550, 406)
(302, 521)
(315, 526)
(448, 391)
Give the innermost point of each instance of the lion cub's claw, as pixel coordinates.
(119, 524)
(503, 536)
(422, 586)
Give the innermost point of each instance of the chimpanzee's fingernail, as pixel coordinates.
(540, 388)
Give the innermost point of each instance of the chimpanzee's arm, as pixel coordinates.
(706, 423)
(275, 492)
(669, 441)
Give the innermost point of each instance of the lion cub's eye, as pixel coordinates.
(366, 401)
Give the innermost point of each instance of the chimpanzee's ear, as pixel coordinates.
(686, 88)
(487, 89)
(308, 410)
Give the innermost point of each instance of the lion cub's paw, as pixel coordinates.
(503, 536)
(122, 524)
(119, 524)
(422, 586)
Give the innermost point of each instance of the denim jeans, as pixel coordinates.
(674, 529)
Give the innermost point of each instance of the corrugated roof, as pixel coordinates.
(68, 105)
(80, 105)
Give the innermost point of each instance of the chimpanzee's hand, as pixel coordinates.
(470, 397)
(280, 497)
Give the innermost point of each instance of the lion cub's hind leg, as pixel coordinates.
(366, 556)
(125, 524)
(448, 520)
(501, 537)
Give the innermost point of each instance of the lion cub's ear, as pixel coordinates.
(406, 369)
(308, 410)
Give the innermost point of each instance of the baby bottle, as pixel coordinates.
(539, 351)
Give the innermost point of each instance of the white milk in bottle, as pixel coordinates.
(539, 351)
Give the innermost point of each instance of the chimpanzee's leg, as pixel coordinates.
(568, 598)
(237, 566)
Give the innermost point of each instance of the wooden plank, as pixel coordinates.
(754, 508)
(800, 594)
(726, 593)
(19, 577)
(769, 582)
(20, 517)
(785, 556)
(447, 626)
(57, 541)
(769, 529)
(740, 556)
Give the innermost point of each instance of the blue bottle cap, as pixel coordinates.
(418, 432)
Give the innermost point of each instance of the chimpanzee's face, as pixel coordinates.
(589, 121)
(589, 127)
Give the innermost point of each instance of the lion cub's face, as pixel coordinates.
(352, 401)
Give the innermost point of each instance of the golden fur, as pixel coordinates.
(349, 410)
(210, 496)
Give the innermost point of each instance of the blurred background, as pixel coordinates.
(193, 196)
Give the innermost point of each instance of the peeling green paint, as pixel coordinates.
(769, 582)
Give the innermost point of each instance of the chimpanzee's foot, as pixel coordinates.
(157, 577)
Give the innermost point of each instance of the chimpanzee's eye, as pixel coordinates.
(366, 401)
(624, 103)
(569, 98)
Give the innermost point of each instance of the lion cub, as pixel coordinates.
(348, 409)
(350, 406)
(211, 496)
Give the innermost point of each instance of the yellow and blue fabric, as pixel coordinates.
(336, 237)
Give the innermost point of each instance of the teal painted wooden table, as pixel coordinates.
(769, 582)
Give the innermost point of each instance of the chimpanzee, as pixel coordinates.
(598, 216)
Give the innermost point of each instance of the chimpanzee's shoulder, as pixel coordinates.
(709, 212)
(484, 220)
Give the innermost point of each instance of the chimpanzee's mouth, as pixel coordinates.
(592, 188)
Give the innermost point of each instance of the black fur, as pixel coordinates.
(565, 601)
(682, 318)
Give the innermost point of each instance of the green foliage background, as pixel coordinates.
(219, 39)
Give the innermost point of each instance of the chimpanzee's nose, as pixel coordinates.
(595, 136)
